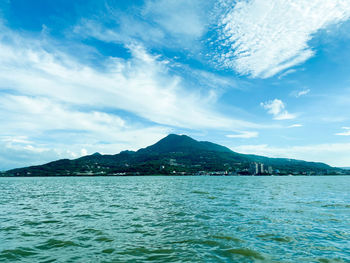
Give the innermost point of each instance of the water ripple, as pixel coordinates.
(175, 219)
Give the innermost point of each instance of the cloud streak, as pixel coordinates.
(302, 93)
(244, 135)
(344, 133)
(297, 125)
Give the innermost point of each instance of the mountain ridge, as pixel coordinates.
(175, 154)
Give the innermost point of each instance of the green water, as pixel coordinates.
(175, 219)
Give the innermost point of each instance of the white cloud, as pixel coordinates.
(295, 125)
(300, 93)
(264, 37)
(178, 17)
(244, 135)
(83, 152)
(276, 107)
(174, 24)
(15, 139)
(335, 154)
(141, 85)
(43, 123)
(34, 114)
(52, 103)
(12, 156)
(303, 92)
(344, 133)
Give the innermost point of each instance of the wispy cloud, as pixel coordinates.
(276, 107)
(142, 84)
(181, 17)
(344, 133)
(244, 135)
(261, 38)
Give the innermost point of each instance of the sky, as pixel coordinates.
(267, 77)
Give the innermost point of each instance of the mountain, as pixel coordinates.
(175, 154)
(182, 143)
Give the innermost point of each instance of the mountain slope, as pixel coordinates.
(172, 154)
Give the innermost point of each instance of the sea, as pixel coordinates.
(175, 219)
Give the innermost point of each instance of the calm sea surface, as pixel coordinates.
(175, 219)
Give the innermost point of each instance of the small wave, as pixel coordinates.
(337, 205)
(135, 251)
(91, 231)
(17, 253)
(326, 260)
(137, 225)
(50, 222)
(31, 223)
(328, 248)
(244, 252)
(282, 239)
(86, 216)
(205, 242)
(26, 234)
(140, 231)
(104, 239)
(55, 243)
(273, 237)
(229, 238)
(108, 250)
(150, 255)
(9, 228)
(202, 216)
(199, 192)
(178, 214)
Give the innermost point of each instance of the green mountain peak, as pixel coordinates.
(182, 143)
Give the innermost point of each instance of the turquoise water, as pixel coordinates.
(175, 219)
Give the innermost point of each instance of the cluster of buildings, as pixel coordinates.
(260, 169)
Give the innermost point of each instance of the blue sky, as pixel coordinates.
(268, 77)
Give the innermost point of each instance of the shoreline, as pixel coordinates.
(172, 175)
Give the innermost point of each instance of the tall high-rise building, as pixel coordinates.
(262, 168)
